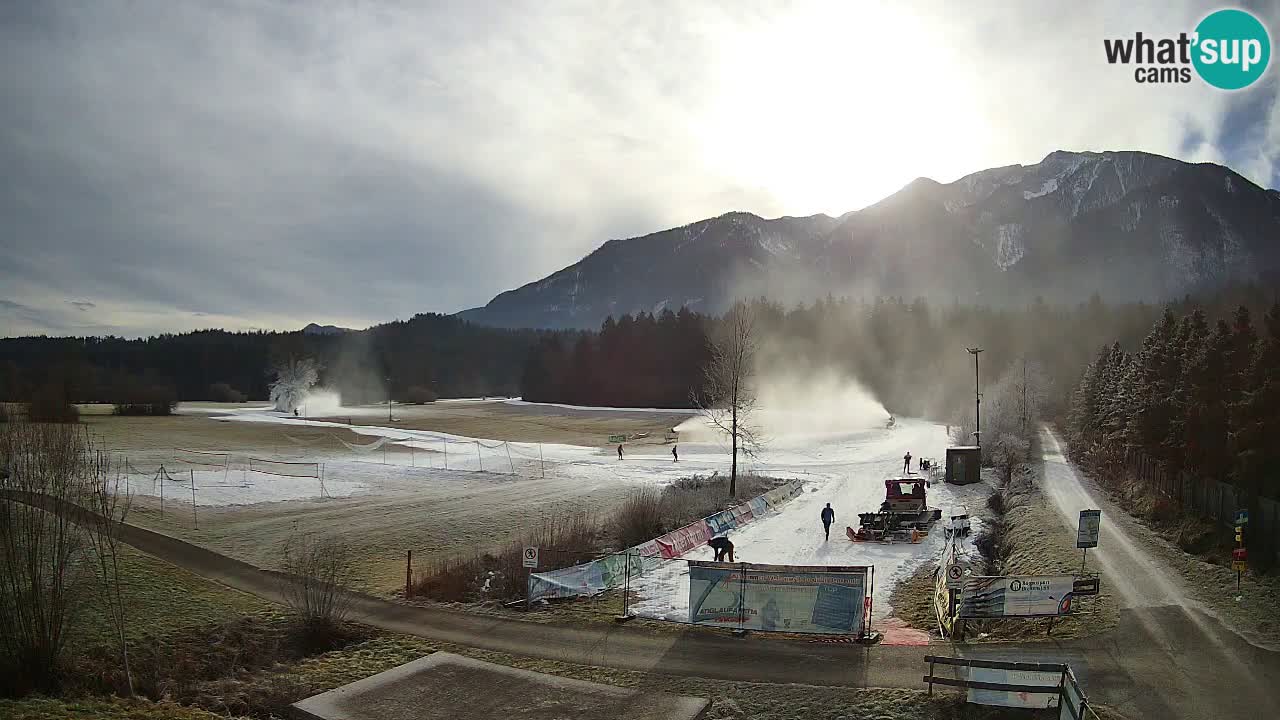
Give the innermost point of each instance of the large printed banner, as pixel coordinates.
(678, 542)
(783, 598)
(1016, 596)
(610, 571)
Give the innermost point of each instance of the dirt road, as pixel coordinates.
(1163, 631)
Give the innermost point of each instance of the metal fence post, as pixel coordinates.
(742, 596)
(408, 575)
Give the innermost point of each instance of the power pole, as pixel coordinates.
(1024, 397)
(977, 398)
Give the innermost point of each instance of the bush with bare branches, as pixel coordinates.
(316, 569)
(40, 552)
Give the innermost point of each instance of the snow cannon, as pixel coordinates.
(904, 514)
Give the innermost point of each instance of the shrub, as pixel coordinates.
(564, 541)
(133, 397)
(224, 393)
(49, 404)
(639, 519)
(419, 395)
(316, 569)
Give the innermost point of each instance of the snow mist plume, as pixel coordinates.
(321, 402)
(791, 402)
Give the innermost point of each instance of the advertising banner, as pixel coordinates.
(678, 542)
(782, 598)
(610, 571)
(1016, 596)
(1008, 698)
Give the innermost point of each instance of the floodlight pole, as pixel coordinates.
(977, 398)
(388, 399)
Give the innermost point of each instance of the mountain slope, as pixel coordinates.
(1126, 225)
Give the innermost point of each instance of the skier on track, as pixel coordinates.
(675, 456)
(906, 462)
(723, 547)
(619, 451)
(828, 517)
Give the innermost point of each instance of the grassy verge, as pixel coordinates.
(100, 708)
(1024, 535)
(912, 599)
(159, 599)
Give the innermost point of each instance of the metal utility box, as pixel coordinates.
(964, 465)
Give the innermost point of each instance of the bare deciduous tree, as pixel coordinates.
(317, 567)
(40, 552)
(108, 506)
(728, 401)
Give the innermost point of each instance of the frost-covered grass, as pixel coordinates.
(101, 708)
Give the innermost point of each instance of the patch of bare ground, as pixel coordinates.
(1024, 535)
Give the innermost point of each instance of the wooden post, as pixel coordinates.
(445, 443)
(195, 520)
(931, 675)
(509, 462)
(541, 463)
(408, 575)
(160, 475)
(478, 458)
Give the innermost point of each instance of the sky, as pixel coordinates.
(171, 165)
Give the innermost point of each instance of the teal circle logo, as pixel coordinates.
(1232, 49)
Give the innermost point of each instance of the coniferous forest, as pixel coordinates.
(1199, 395)
(909, 354)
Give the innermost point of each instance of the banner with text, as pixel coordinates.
(1016, 596)
(610, 571)
(782, 598)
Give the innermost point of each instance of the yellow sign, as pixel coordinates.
(1239, 565)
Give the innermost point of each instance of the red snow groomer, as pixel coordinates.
(904, 514)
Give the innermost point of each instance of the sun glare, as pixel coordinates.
(829, 115)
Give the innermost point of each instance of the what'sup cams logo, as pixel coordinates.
(1230, 50)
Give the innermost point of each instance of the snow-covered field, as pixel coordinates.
(846, 469)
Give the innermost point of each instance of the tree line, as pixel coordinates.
(1199, 396)
(429, 355)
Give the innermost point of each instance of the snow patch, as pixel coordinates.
(1009, 247)
(1169, 202)
(1133, 216)
(1049, 186)
(1231, 186)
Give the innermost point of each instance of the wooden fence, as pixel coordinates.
(1212, 499)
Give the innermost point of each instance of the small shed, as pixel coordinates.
(964, 464)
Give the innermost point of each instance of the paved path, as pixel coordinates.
(1162, 663)
(1206, 669)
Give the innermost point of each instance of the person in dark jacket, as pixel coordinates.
(675, 456)
(828, 517)
(723, 548)
(619, 451)
(906, 463)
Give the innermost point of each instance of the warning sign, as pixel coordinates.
(531, 557)
(955, 577)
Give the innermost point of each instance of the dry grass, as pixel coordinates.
(1028, 537)
(648, 512)
(563, 541)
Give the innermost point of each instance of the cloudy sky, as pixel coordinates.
(171, 165)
